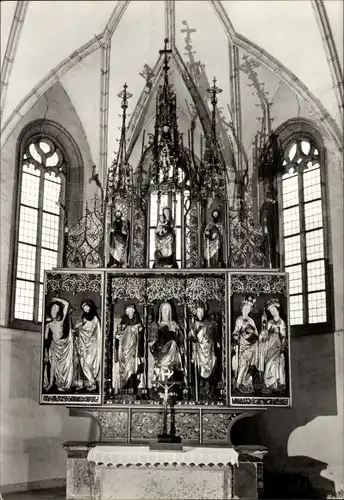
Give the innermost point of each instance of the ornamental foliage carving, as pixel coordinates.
(167, 288)
(146, 425)
(128, 288)
(258, 284)
(75, 283)
(215, 426)
(114, 425)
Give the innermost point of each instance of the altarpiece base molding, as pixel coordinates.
(133, 425)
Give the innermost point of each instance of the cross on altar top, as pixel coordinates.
(213, 91)
(187, 30)
(165, 51)
(124, 95)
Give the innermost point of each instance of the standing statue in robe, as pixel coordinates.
(213, 241)
(168, 349)
(119, 241)
(130, 349)
(89, 343)
(202, 334)
(165, 241)
(273, 345)
(245, 339)
(58, 346)
(269, 220)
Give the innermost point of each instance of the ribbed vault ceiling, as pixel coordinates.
(52, 31)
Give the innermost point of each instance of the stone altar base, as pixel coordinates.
(121, 466)
(133, 472)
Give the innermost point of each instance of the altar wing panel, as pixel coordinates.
(72, 338)
(259, 339)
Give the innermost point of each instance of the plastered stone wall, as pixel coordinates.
(31, 435)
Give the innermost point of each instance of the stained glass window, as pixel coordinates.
(303, 232)
(40, 192)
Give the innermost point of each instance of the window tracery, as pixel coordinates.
(41, 190)
(303, 231)
(49, 199)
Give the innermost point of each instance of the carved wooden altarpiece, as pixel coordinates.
(168, 277)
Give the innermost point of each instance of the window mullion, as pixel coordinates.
(326, 224)
(303, 246)
(39, 246)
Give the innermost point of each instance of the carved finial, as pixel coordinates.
(148, 74)
(213, 91)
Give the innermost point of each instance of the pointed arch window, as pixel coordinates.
(305, 235)
(49, 186)
(41, 190)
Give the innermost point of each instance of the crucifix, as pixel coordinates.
(166, 441)
(165, 51)
(148, 74)
(213, 91)
(188, 32)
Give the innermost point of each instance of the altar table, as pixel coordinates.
(110, 472)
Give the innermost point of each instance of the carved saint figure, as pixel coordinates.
(119, 239)
(245, 338)
(130, 348)
(273, 344)
(165, 241)
(213, 241)
(58, 346)
(269, 221)
(202, 335)
(88, 333)
(167, 350)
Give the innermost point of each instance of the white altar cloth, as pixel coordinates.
(142, 456)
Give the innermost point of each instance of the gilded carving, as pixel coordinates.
(114, 424)
(215, 426)
(146, 425)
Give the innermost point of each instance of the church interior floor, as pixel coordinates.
(51, 494)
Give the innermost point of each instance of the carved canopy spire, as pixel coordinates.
(212, 177)
(120, 173)
(166, 137)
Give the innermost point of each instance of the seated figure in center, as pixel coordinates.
(168, 349)
(165, 241)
